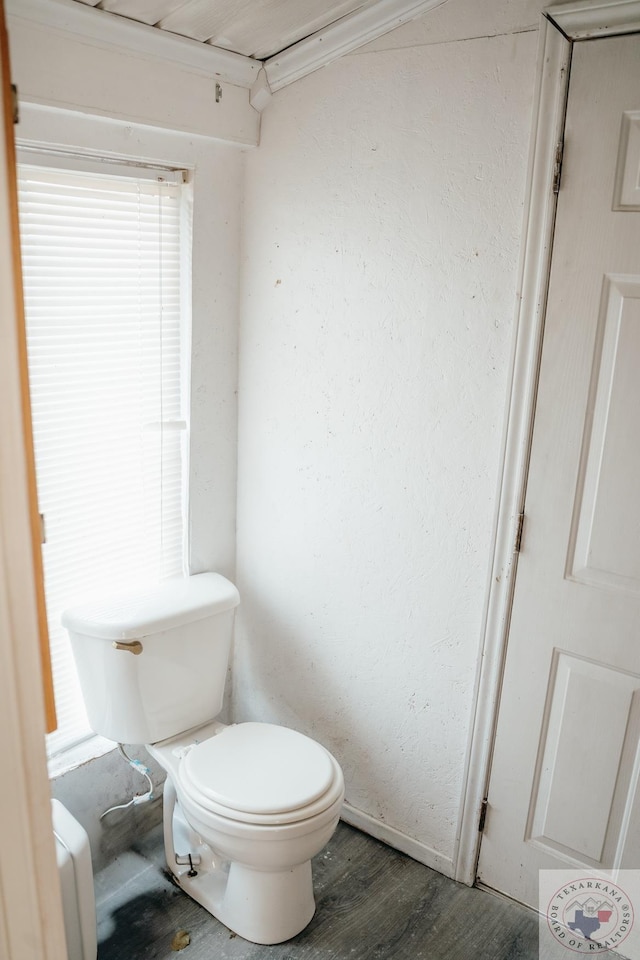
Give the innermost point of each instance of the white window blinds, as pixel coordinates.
(101, 262)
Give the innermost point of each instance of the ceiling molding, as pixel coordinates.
(341, 37)
(107, 29)
(586, 19)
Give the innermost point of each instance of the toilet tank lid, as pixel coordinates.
(168, 604)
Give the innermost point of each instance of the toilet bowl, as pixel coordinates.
(243, 855)
(246, 806)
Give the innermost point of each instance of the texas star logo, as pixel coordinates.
(589, 915)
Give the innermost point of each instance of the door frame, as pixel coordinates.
(561, 26)
(31, 920)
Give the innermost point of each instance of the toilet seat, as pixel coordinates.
(260, 773)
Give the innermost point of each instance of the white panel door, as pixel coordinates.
(564, 787)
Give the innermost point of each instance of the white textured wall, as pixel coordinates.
(382, 224)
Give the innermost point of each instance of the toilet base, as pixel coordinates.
(262, 906)
(250, 902)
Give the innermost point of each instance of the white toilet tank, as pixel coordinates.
(153, 664)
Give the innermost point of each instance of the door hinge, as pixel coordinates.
(483, 814)
(43, 529)
(557, 166)
(518, 544)
(14, 103)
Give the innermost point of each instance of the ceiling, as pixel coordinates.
(254, 28)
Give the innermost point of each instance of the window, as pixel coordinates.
(105, 338)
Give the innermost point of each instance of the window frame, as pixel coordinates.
(89, 745)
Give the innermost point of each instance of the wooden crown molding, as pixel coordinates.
(588, 19)
(341, 37)
(321, 48)
(578, 20)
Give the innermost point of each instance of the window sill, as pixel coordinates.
(76, 756)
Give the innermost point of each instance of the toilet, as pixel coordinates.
(247, 805)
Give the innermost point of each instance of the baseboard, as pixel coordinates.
(399, 841)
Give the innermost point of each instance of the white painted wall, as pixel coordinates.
(381, 236)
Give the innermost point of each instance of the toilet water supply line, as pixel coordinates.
(139, 798)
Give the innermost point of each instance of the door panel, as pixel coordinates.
(607, 513)
(584, 698)
(565, 768)
(627, 195)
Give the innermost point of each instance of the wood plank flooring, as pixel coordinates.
(373, 903)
